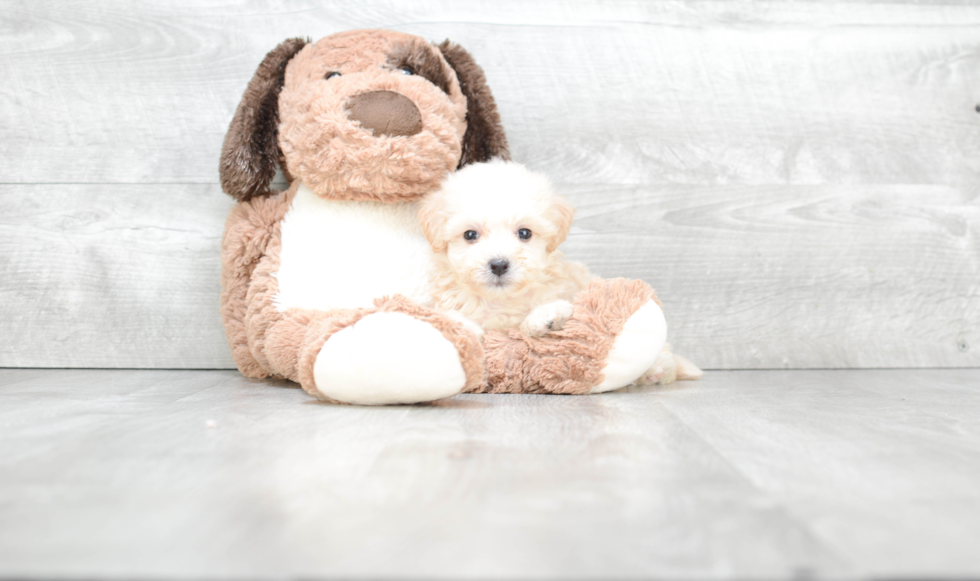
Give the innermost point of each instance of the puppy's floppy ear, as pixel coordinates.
(432, 217)
(484, 138)
(251, 149)
(560, 213)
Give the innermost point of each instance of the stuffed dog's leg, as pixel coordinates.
(397, 352)
(615, 333)
(393, 352)
(401, 353)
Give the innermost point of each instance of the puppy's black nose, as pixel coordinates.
(499, 266)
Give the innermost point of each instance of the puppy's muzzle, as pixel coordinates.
(499, 266)
(385, 113)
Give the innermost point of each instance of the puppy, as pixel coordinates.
(495, 229)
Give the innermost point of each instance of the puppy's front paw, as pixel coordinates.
(467, 323)
(547, 317)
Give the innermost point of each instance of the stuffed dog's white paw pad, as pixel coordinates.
(635, 349)
(547, 317)
(388, 358)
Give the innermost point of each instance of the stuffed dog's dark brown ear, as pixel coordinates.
(251, 153)
(484, 138)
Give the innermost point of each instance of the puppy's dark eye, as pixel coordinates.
(331, 75)
(406, 70)
(471, 235)
(524, 234)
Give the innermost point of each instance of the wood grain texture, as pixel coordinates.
(763, 474)
(607, 92)
(751, 277)
(797, 179)
(797, 276)
(865, 458)
(112, 276)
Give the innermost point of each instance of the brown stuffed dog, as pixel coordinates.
(325, 283)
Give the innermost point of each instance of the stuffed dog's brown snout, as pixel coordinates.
(385, 113)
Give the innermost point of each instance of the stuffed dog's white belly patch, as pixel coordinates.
(340, 254)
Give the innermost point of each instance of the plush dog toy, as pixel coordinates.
(324, 283)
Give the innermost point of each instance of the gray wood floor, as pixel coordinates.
(161, 474)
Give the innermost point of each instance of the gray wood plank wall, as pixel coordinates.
(799, 180)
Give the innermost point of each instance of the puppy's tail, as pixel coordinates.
(685, 369)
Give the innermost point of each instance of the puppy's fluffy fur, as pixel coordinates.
(494, 202)
(495, 229)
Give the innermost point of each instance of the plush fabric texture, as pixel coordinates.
(249, 229)
(388, 358)
(267, 342)
(469, 347)
(251, 152)
(485, 138)
(568, 361)
(383, 253)
(298, 104)
(385, 113)
(333, 154)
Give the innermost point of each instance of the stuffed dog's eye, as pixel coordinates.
(406, 70)
(471, 235)
(524, 234)
(331, 75)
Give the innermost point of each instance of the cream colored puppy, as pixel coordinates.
(495, 229)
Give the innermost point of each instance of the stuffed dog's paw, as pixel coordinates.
(643, 335)
(388, 358)
(548, 317)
